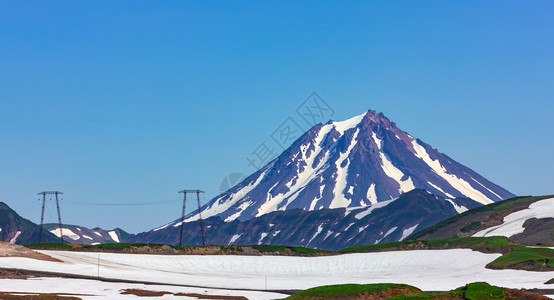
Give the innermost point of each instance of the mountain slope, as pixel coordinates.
(331, 229)
(363, 160)
(527, 220)
(18, 230)
(81, 235)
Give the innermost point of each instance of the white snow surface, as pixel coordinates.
(513, 223)
(114, 236)
(95, 289)
(426, 269)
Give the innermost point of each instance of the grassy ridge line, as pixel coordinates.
(223, 249)
(338, 290)
(514, 256)
(471, 291)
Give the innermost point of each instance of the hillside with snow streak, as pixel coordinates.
(357, 162)
(528, 220)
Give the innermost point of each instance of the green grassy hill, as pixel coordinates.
(471, 291)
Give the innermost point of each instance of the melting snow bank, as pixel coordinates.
(95, 289)
(513, 223)
(425, 269)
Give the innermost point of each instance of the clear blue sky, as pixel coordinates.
(131, 101)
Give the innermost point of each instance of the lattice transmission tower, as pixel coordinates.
(42, 213)
(184, 192)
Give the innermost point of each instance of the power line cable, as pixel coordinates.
(121, 204)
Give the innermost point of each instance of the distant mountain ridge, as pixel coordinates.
(353, 163)
(81, 235)
(330, 229)
(17, 230)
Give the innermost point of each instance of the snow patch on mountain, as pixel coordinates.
(485, 187)
(302, 177)
(343, 126)
(459, 208)
(408, 231)
(386, 234)
(439, 189)
(66, 233)
(14, 238)
(114, 236)
(339, 199)
(319, 229)
(371, 195)
(367, 211)
(392, 171)
(234, 238)
(262, 237)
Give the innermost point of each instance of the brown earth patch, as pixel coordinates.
(214, 297)
(384, 294)
(15, 274)
(147, 293)
(512, 294)
(16, 296)
(12, 250)
(144, 293)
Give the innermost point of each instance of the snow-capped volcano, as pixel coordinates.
(353, 163)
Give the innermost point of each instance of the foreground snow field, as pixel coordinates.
(426, 269)
(95, 289)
